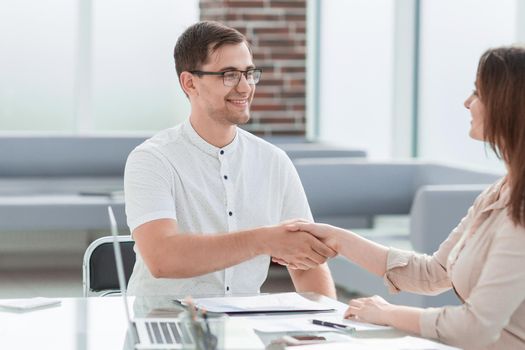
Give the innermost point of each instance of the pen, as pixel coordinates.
(333, 325)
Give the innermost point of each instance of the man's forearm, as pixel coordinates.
(169, 254)
(317, 280)
(190, 255)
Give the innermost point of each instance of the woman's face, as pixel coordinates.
(477, 112)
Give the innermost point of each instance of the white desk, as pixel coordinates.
(100, 323)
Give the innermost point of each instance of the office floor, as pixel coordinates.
(68, 283)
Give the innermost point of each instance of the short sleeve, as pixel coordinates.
(148, 189)
(295, 204)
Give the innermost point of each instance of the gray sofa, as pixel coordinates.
(350, 193)
(60, 183)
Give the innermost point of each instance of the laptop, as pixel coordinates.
(171, 333)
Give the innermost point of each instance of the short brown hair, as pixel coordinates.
(501, 85)
(200, 40)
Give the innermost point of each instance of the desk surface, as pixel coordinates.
(100, 323)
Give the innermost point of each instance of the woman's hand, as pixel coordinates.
(292, 226)
(372, 310)
(324, 232)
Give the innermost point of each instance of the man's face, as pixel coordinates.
(226, 104)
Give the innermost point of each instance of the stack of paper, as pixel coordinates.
(265, 303)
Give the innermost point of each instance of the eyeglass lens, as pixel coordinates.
(232, 78)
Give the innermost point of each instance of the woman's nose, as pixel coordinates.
(467, 102)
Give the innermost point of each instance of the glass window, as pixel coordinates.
(37, 65)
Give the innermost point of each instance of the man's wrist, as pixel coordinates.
(259, 239)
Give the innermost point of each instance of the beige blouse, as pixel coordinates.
(483, 259)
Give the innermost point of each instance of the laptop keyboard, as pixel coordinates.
(168, 333)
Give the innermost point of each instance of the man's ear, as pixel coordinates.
(187, 83)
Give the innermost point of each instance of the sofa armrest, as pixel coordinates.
(436, 211)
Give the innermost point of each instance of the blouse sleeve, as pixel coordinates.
(421, 273)
(498, 293)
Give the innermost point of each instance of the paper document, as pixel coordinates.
(266, 303)
(403, 343)
(28, 304)
(304, 324)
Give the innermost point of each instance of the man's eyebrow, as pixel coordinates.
(225, 69)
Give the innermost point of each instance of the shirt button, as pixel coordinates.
(230, 213)
(222, 152)
(225, 177)
(227, 288)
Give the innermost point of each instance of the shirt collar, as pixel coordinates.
(204, 146)
(499, 196)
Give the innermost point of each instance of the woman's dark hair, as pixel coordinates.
(501, 86)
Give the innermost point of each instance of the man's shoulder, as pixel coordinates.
(162, 140)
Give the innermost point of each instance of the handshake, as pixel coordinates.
(299, 244)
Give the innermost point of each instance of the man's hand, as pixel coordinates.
(295, 248)
(324, 232)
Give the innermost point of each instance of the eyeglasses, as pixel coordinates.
(233, 77)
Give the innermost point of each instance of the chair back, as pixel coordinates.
(99, 267)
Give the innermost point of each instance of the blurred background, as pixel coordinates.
(388, 77)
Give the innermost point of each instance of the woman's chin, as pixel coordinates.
(476, 135)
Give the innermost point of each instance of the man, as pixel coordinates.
(201, 197)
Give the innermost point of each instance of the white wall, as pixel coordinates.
(356, 71)
(454, 34)
(37, 64)
(135, 85)
(129, 77)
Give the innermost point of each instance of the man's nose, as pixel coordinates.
(243, 84)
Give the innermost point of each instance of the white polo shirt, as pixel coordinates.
(208, 190)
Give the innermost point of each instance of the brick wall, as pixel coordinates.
(277, 32)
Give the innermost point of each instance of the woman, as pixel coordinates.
(483, 258)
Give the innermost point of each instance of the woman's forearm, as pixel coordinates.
(404, 318)
(365, 253)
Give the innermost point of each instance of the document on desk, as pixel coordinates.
(265, 303)
(403, 343)
(303, 323)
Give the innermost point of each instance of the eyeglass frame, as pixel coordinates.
(243, 72)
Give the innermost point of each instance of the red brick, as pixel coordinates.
(298, 132)
(278, 120)
(294, 17)
(288, 56)
(244, 3)
(271, 82)
(297, 82)
(292, 94)
(260, 56)
(279, 43)
(259, 17)
(262, 94)
(267, 107)
(293, 69)
(288, 4)
(275, 30)
(298, 108)
(300, 29)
